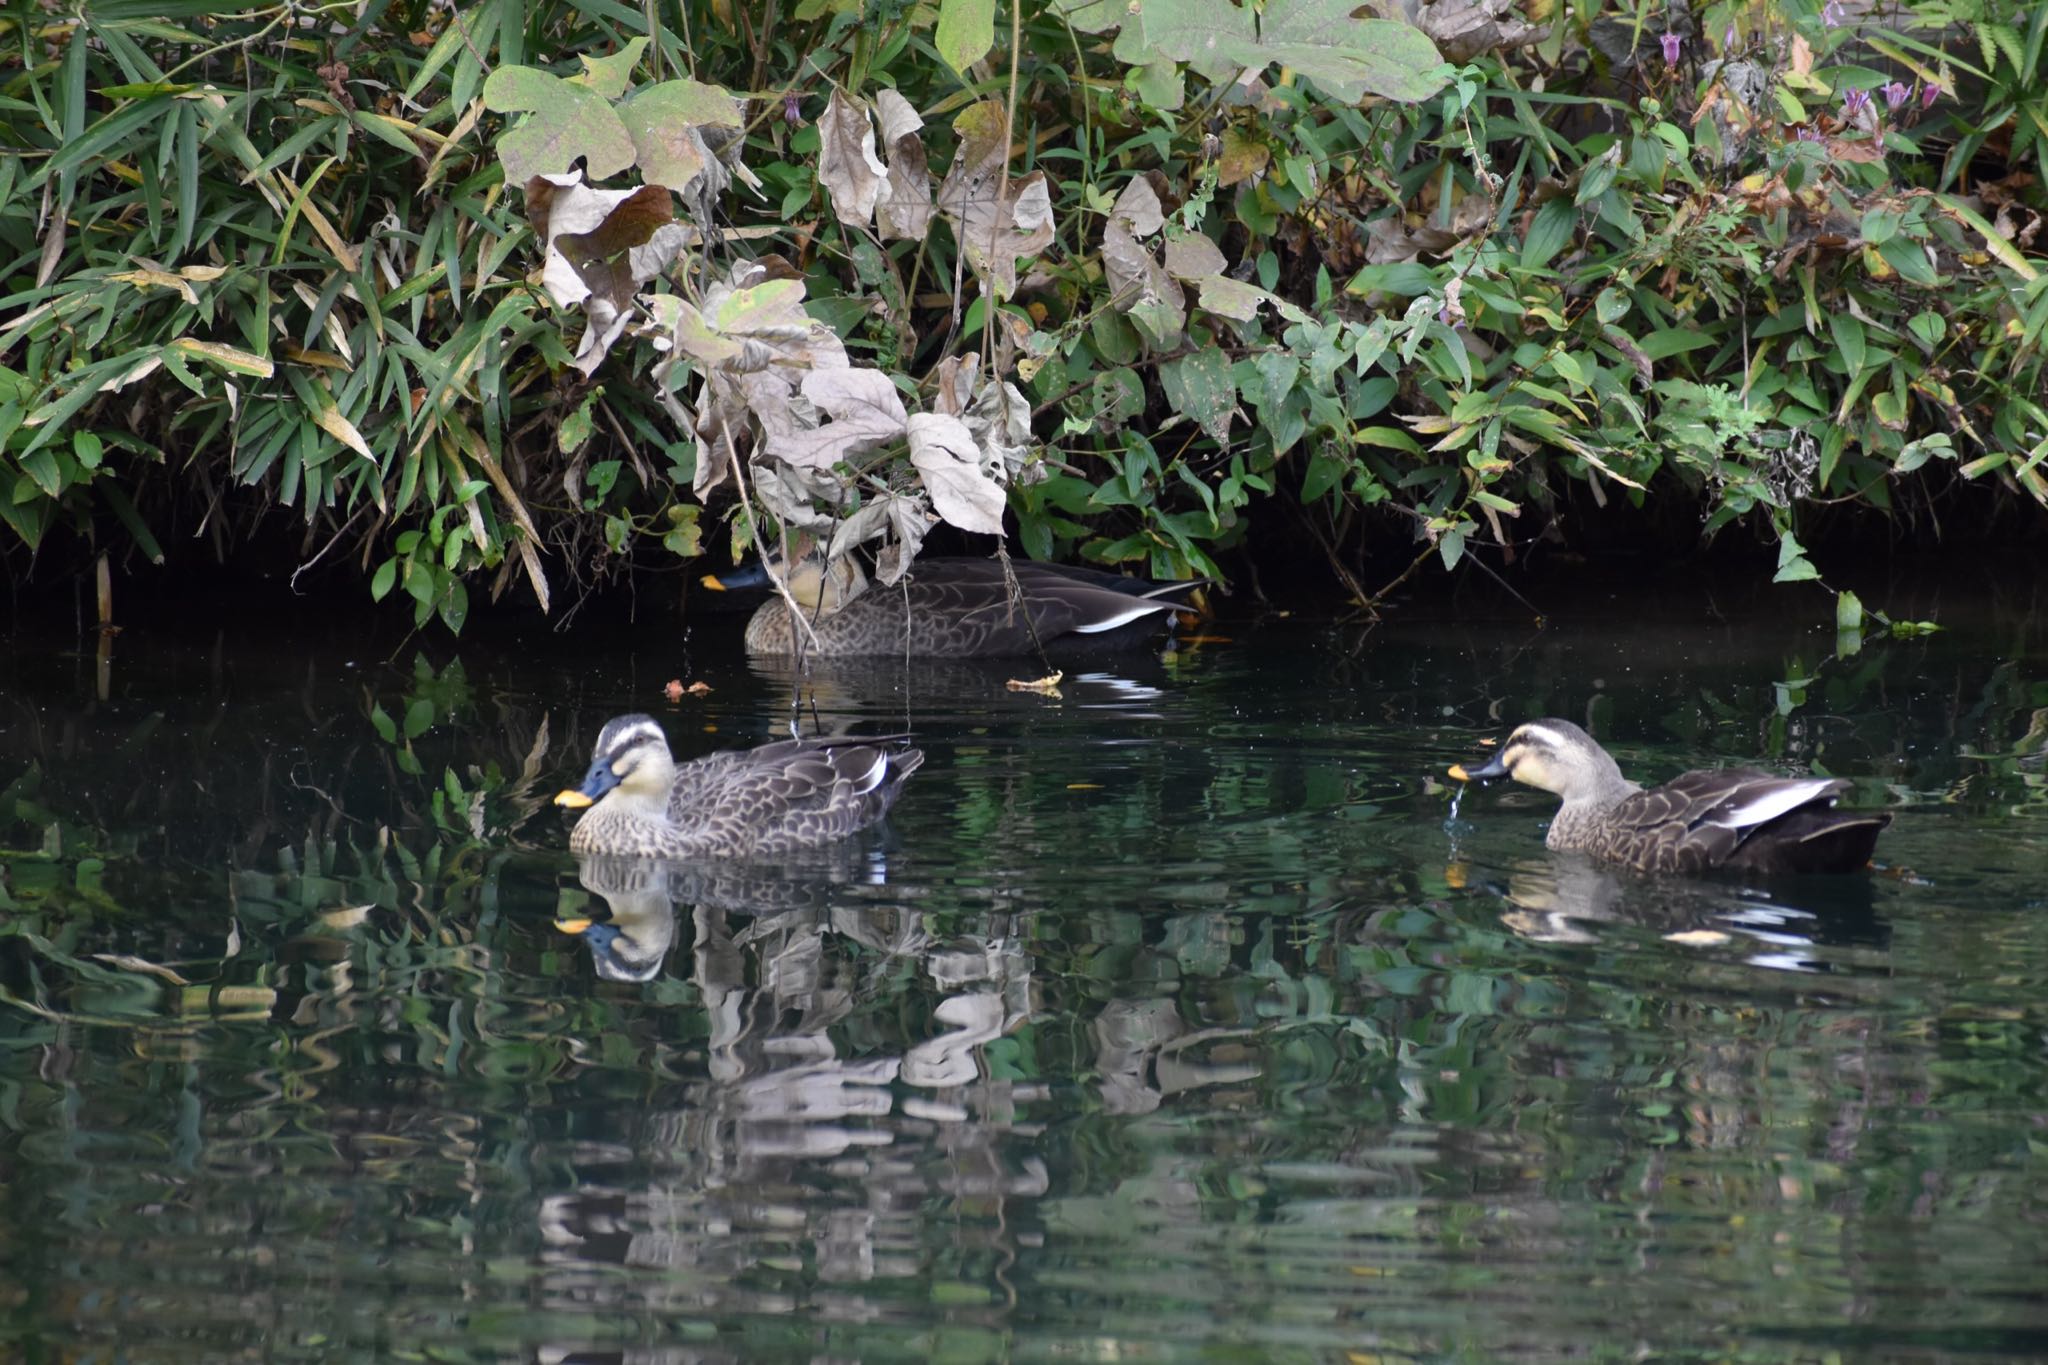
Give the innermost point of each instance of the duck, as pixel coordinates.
(951, 608)
(744, 803)
(1739, 820)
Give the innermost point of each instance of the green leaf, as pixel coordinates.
(380, 720)
(1849, 340)
(454, 606)
(1848, 611)
(1323, 472)
(41, 466)
(1199, 385)
(965, 33)
(1452, 546)
(1928, 329)
(661, 120)
(609, 76)
(1793, 565)
(381, 582)
(1880, 226)
(1350, 58)
(566, 122)
(1550, 231)
(418, 717)
(1909, 258)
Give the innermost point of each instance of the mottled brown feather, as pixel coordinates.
(1686, 825)
(961, 608)
(748, 803)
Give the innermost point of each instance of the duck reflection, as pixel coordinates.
(1565, 898)
(835, 694)
(788, 1137)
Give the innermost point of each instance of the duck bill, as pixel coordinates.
(1490, 771)
(752, 576)
(599, 780)
(572, 926)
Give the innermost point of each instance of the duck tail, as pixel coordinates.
(1821, 839)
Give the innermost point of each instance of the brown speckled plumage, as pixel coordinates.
(961, 608)
(1734, 819)
(747, 803)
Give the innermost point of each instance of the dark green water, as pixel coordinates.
(1178, 1018)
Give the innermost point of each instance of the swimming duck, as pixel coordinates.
(1734, 819)
(745, 803)
(952, 608)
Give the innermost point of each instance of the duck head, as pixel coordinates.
(818, 586)
(1551, 755)
(631, 758)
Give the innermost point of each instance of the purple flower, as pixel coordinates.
(1728, 39)
(1854, 102)
(1672, 42)
(1895, 95)
(1929, 93)
(791, 112)
(1809, 133)
(1832, 14)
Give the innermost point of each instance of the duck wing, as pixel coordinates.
(791, 794)
(1743, 819)
(963, 607)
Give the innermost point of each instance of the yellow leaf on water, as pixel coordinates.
(1048, 686)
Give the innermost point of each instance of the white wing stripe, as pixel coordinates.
(873, 777)
(1773, 802)
(1139, 607)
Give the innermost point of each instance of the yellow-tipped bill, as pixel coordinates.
(572, 926)
(1457, 771)
(573, 799)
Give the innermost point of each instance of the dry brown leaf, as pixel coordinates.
(1048, 686)
(906, 209)
(853, 175)
(998, 219)
(949, 463)
(1464, 30)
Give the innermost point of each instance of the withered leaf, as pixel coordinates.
(906, 210)
(853, 175)
(948, 461)
(866, 412)
(997, 220)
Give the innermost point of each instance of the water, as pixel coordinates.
(1186, 1015)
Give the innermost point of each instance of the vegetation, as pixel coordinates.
(512, 296)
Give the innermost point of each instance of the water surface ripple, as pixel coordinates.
(1182, 1016)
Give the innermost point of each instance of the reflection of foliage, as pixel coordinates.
(1142, 1043)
